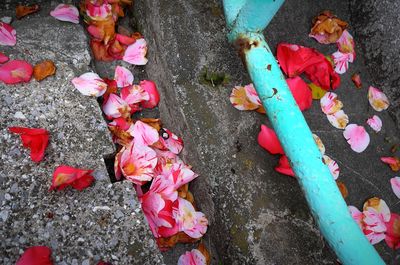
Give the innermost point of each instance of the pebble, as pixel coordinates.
(65, 217)
(19, 115)
(4, 215)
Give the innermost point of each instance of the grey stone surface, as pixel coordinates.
(102, 222)
(257, 216)
(377, 27)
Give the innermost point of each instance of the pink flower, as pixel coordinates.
(393, 231)
(330, 104)
(332, 165)
(346, 43)
(8, 35)
(170, 141)
(342, 61)
(395, 183)
(357, 137)
(268, 140)
(189, 221)
(136, 52)
(338, 119)
(67, 13)
(375, 123)
(151, 89)
(123, 76)
(144, 134)
(193, 257)
(3, 58)
(301, 92)
(90, 84)
(133, 95)
(16, 71)
(137, 163)
(377, 99)
(116, 107)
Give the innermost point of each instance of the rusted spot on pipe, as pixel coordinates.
(243, 45)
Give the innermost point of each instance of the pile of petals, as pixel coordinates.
(101, 16)
(378, 223)
(148, 157)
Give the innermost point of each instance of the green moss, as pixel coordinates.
(212, 78)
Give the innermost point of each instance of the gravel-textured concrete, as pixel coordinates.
(101, 222)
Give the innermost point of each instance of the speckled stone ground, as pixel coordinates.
(102, 222)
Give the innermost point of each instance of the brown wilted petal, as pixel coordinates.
(22, 10)
(343, 189)
(202, 248)
(44, 69)
(327, 28)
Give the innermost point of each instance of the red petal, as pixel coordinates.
(126, 40)
(37, 255)
(3, 58)
(64, 176)
(301, 92)
(16, 71)
(284, 167)
(323, 74)
(268, 140)
(393, 231)
(151, 88)
(34, 139)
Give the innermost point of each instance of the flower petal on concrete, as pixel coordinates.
(332, 165)
(189, 221)
(144, 134)
(240, 98)
(171, 141)
(284, 167)
(90, 84)
(136, 52)
(356, 80)
(375, 227)
(8, 35)
(319, 143)
(393, 231)
(377, 99)
(301, 92)
(346, 43)
(22, 10)
(134, 94)
(68, 13)
(151, 89)
(268, 140)
(357, 216)
(330, 104)
(375, 123)
(357, 137)
(64, 176)
(181, 174)
(193, 257)
(3, 58)
(34, 139)
(379, 206)
(37, 255)
(395, 183)
(138, 163)
(43, 70)
(16, 71)
(342, 61)
(123, 76)
(339, 119)
(327, 28)
(116, 107)
(393, 162)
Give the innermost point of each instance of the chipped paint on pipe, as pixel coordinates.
(323, 196)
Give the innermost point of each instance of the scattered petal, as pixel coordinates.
(342, 61)
(268, 140)
(375, 123)
(284, 167)
(327, 28)
(356, 80)
(319, 143)
(377, 99)
(322, 74)
(332, 165)
(65, 176)
(393, 231)
(357, 216)
(34, 139)
(189, 221)
(171, 141)
(343, 189)
(330, 104)
(346, 43)
(44, 69)
(8, 35)
(16, 71)
(300, 91)
(316, 91)
(3, 58)
(357, 137)
(393, 162)
(339, 119)
(22, 10)
(123, 76)
(115, 107)
(395, 183)
(144, 134)
(379, 206)
(193, 257)
(68, 13)
(136, 52)
(151, 88)
(37, 255)
(245, 98)
(133, 95)
(90, 84)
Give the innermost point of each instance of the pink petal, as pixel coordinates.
(284, 167)
(252, 95)
(144, 134)
(342, 61)
(8, 35)
(193, 257)
(123, 76)
(375, 123)
(68, 13)
(357, 216)
(245, 98)
(338, 119)
(357, 137)
(97, 11)
(90, 84)
(16, 71)
(165, 161)
(301, 92)
(136, 52)
(116, 107)
(151, 88)
(395, 182)
(192, 223)
(134, 94)
(377, 99)
(268, 140)
(170, 141)
(377, 207)
(181, 175)
(332, 165)
(3, 58)
(330, 104)
(346, 43)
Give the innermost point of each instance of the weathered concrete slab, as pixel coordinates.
(101, 222)
(257, 216)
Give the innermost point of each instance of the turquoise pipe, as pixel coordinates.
(323, 196)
